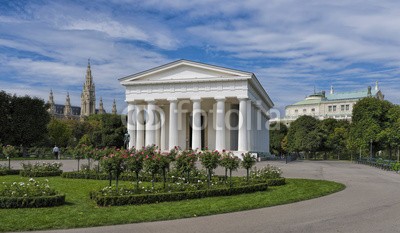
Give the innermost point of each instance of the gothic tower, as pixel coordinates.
(52, 107)
(88, 97)
(101, 107)
(67, 107)
(114, 108)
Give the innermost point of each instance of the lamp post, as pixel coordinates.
(371, 150)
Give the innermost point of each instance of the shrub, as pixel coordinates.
(29, 194)
(107, 200)
(396, 166)
(265, 173)
(210, 160)
(10, 152)
(41, 169)
(247, 163)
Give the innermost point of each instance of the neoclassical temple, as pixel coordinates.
(195, 106)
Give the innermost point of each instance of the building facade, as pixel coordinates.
(88, 102)
(337, 105)
(194, 106)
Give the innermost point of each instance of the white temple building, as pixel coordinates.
(195, 106)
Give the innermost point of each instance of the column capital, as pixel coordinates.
(243, 97)
(150, 100)
(195, 99)
(172, 99)
(220, 98)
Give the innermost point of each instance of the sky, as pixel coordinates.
(292, 46)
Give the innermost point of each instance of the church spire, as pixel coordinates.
(67, 107)
(88, 96)
(101, 107)
(376, 86)
(51, 103)
(114, 108)
(332, 90)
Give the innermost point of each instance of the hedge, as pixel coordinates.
(131, 177)
(9, 172)
(173, 196)
(276, 182)
(26, 173)
(32, 202)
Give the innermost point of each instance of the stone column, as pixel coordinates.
(242, 140)
(131, 125)
(162, 130)
(220, 124)
(173, 123)
(196, 123)
(139, 126)
(151, 123)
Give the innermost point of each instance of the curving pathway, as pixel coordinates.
(370, 203)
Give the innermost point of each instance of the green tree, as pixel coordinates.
(59, 132)
(5, 102)
(277, 132)
(29, 120)
(370, 118)
(303, 135)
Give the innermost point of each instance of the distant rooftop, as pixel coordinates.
(335, 96)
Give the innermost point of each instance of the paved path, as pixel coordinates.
(370, 203)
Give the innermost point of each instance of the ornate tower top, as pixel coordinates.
(376, 85)
(101, 107)
(114, 108)
(88, 97)
(52, 107)
(67, 107)
(332, 91)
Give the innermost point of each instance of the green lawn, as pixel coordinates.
(80, 211)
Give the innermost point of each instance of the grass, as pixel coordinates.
(80, 211)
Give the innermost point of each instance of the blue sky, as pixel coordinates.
(291, 45)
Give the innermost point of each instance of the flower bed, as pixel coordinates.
(41, 169)
(32, 194)
(102, 199)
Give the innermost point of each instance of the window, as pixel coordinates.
(313, 110)
(304, 110)
(334, 108)
(347, 107)
(329, 108)
(296, 111)
(341, 107)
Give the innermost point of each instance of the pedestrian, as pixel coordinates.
(56, 151)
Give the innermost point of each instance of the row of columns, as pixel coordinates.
(145, 134)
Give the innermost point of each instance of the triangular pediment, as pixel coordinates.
(184, 70)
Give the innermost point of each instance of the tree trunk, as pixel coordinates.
(230, 178)
(110, 178)
(137, 181)
(78, 164)
(247, 173)
(9, 163)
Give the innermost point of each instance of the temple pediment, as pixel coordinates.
(183, 70)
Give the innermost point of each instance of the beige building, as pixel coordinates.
(337, 105)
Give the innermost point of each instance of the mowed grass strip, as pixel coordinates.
(80, 211)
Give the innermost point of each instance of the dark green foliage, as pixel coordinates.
(4, 172)
(23, 120)
(303, 135)
(27, 173)
(277, 132)
(32, 202)
(176, 196)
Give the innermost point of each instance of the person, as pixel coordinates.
(56, 151)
